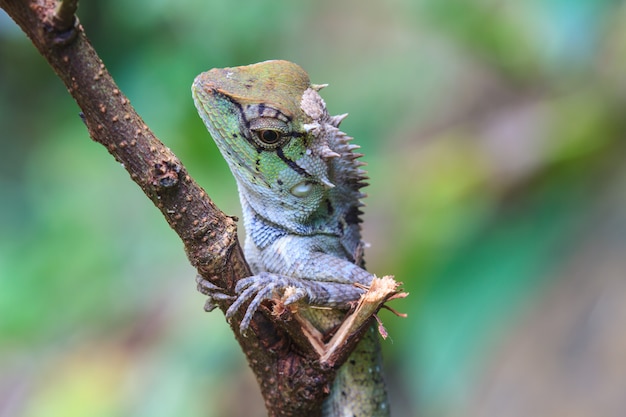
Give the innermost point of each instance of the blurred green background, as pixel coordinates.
(494, 136)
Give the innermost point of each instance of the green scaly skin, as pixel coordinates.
(299, 183)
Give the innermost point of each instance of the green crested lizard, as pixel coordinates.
(299, 184)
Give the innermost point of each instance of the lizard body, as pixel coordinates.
(299, 184)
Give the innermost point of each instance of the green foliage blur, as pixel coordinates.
(493, 132)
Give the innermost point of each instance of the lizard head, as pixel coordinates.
(265, 119)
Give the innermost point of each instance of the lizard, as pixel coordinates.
(299, 181)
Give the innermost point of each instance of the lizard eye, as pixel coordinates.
(269, 133)
(269, 137)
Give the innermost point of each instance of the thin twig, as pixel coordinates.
(65, 15)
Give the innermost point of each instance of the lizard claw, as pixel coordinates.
(259, 288)
(210, 304)
(212, 291)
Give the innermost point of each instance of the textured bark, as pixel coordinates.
(292, 379)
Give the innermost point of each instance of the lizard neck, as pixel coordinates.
(330, 234)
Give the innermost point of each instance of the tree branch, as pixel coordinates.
(292, 379)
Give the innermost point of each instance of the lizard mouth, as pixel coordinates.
(253, 176)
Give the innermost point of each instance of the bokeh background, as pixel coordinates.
(494, 136)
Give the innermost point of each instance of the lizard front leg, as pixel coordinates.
(315, 278)
(268, 286)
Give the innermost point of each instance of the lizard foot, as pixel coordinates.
(212, 291)
(267, 286)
